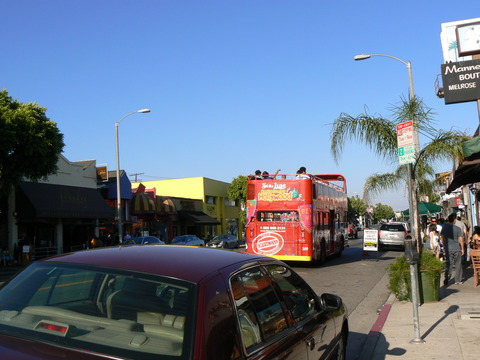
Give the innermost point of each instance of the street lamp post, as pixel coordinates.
(412, 196)
(117, 152)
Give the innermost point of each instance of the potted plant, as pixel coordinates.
(429, 269)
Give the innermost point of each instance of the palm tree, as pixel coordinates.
(379, 134)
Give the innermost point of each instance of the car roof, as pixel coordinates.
(162, 259)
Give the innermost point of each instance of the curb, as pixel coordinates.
(368, 348)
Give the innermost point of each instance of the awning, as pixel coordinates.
(164, 205)
(198, 217)
(469, 170)
(38, 200)
(425, 208)
(142, 204)
(465, 174)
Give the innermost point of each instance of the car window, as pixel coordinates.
(259, 311)
(392, 227)
(118, 313)
(298, 296)
(178, 239)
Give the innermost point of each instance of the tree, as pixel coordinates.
(383, 212)
(356, 207)
(30, 143)
(237, 191)
(379, 134)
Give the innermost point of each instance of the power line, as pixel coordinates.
(136, 174)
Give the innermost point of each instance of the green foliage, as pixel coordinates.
(379, 134)
(399, 278)
(356, 207)
(383, 212)
(399, 273)
(30, 143)
(237, 191)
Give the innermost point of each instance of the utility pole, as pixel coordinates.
(136, 175)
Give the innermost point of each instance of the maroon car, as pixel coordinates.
(167, 302)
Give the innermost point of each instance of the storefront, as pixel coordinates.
(57, 217)
(152, 216)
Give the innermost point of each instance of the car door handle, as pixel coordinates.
(310, 343)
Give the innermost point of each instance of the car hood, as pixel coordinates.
(21, 349)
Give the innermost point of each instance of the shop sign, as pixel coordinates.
(102, 173)
(370, 240)
(273, 191)
(461, 81)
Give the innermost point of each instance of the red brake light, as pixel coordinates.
(53, 327)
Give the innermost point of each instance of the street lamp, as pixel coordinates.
(412, 195)
(119, 200)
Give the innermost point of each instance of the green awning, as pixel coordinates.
(425, 208)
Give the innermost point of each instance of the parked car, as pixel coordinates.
(392, 234)
(167, 302)
(224, 241)
(143, 240)
(190, 240)
(406, 224)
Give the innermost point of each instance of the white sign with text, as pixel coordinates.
(370, 240)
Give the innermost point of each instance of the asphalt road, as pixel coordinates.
(359, 280)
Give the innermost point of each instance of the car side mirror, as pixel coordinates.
(331, 302)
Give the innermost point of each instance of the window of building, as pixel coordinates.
(210, 200)
(229, 202)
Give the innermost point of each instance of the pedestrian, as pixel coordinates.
(475, 240)
(302, 173)
(258, 175)
(267, 176)
(434, 240)
(461, 225)
(465, 231)
(95, 243)
(453, 243)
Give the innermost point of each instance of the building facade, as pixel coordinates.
(56, 215)
(202, 206)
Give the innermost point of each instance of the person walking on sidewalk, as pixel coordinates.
(454, 245)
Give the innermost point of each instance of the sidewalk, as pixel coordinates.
(450, 327)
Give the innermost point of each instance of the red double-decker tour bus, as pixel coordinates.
(300, 219)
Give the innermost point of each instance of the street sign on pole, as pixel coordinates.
(406, 143)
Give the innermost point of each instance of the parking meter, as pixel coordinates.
(411, 253)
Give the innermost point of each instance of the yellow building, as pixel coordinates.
(209, 197)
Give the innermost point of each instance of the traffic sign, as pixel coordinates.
(406, 143)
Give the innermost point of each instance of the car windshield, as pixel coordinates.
(392, 227)
(115, 312)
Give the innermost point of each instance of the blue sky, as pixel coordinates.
(233, 86)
